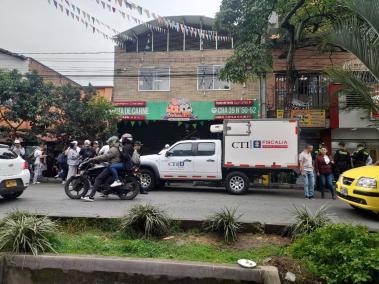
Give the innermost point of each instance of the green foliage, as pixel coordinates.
(22, 232)
(303, 23)
(226, 223)
(340, 253)
(307, 221)
(359, 34)
(111, 244)
(27, 98)
(86, 115)
(148, 220)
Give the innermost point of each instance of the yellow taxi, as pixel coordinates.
(360, 188)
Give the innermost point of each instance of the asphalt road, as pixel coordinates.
(271, 206)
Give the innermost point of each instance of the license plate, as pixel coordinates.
(10, 183)
(344, 191)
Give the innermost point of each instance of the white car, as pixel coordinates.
(14, 174)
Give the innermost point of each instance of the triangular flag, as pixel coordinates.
(72, 15)
(93, 20)
(113, 9)
(180, 123)
(56, 4)
(78, 10)
(194, 125)
(120, 2)
(132, 123)
(49, 1)
(103, 3)
(68, 12)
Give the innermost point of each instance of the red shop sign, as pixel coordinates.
(134, 117)
(130, 104)
(222, 117)
(235, 103)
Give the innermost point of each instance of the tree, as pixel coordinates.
(303, 23)
(359, 34)
(27, 99)
(85, 115)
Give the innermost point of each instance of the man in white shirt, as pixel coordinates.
(307, 171)
(39, 163)
(18, 149)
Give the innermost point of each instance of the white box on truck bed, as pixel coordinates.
(261, 144)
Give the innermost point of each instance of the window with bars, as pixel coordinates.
(154, 79)
(207, 78)
(311, 92)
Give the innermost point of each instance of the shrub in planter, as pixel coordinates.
(226, 223)
(148, 220)
(22, 232)
(308, 221)
(340, 253)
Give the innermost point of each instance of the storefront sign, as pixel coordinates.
(235, 103)
(310, 117)
(131, 104)
(185, 110)
(280, 113)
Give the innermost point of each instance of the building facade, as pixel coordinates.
(166, 85)
(324, 116)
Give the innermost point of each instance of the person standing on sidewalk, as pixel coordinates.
(324, 169)
(342, 160)
(39, 163)
(307, 171)
(18, 149)
(72, 159)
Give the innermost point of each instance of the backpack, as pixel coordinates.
(136, 158)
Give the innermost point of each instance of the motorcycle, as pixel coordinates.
(78, 186)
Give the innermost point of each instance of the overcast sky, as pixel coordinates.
(32, 26)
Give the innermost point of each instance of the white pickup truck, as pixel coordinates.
(249, 148)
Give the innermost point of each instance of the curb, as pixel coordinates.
(83, 269)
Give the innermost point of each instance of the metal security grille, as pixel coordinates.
(311, 92)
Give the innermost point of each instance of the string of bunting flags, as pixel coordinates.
(83, 17)
(174, 25)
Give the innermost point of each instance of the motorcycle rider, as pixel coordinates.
(126, 153)
(113, 156)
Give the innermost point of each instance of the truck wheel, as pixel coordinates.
(147, 178)
(237, 183)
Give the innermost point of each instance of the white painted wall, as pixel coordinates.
(8, 62)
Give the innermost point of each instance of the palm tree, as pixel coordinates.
(358, 33)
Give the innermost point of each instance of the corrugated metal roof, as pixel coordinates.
(189, 20)
(19, 56)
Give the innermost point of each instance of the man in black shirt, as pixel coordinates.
(342, 160)
(87, 151)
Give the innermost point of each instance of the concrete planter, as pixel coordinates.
(46, 269)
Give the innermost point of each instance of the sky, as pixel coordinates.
(35, 26)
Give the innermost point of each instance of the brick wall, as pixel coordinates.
(49, 75)
(307, 60)
(183, 86)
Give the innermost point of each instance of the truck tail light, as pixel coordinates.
(25, 166)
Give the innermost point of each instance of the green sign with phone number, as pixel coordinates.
(183, 110)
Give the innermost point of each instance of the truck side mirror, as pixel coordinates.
(168, 154)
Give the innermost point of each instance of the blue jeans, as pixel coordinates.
(326, 180)
(114, 168)
(309, 184)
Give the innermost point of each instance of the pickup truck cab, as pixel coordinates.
(248, 149)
